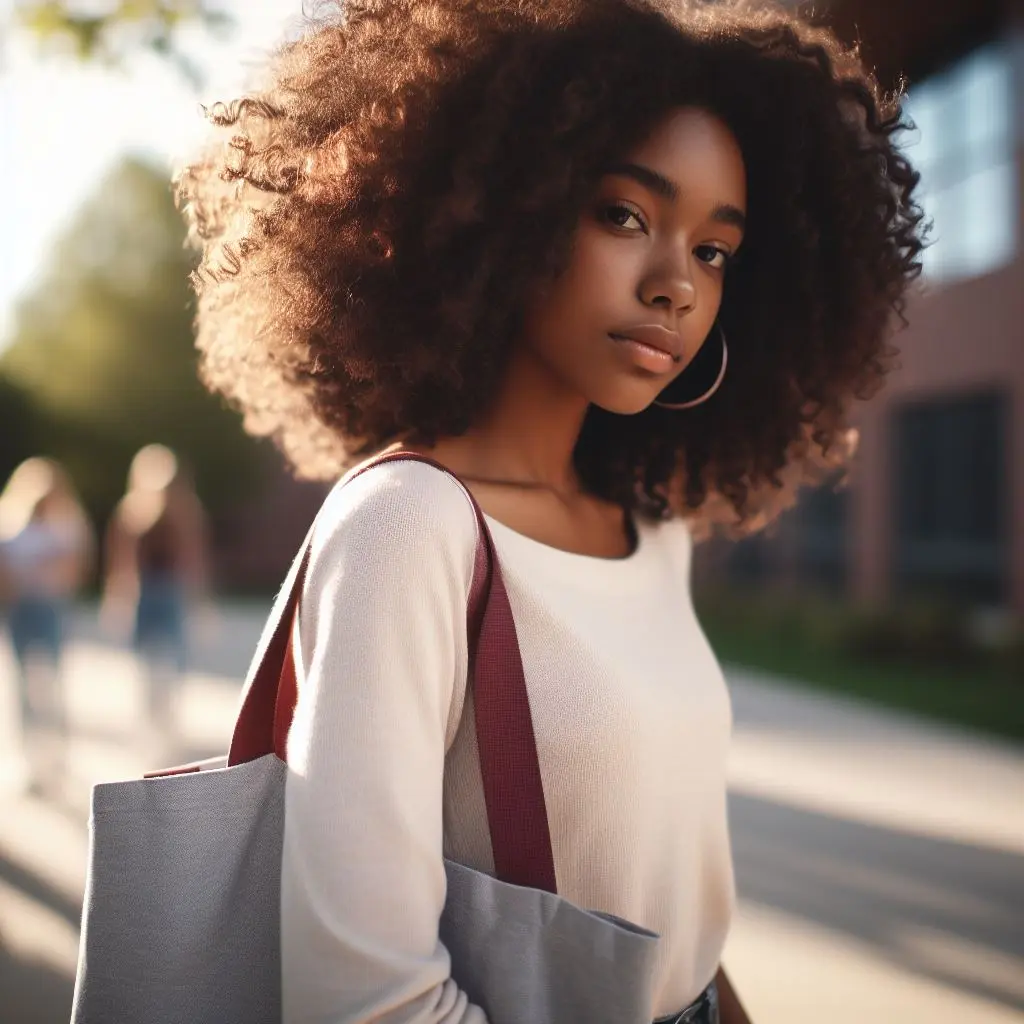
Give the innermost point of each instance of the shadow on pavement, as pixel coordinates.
(941, 909)
(33, 992)
(26, 881)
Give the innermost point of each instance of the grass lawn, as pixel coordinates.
(979, 698)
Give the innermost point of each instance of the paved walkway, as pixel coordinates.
(880, 865)
(880, 861)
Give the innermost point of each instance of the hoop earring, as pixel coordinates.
(703, 376)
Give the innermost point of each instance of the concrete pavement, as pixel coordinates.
(880, 861)
(880, 864)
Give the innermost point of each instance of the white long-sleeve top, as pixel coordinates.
(632, 722)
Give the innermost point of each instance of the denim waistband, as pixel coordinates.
(703, 1010)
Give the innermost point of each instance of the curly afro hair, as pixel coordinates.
(375, 216)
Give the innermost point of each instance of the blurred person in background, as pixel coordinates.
(156, 569)
(46, 545)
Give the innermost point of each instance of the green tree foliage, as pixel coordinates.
(19, 429)
(108, 31)
(103, 349)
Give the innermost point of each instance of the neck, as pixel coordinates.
(530, 431)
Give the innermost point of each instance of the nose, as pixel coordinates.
(669, 285)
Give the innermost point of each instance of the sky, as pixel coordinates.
(63, 125)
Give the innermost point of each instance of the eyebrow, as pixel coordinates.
(723, 213)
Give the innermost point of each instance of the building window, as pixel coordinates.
(821, 522)
(807, 548)
(747, 563)
(964, 146)
(951, 498)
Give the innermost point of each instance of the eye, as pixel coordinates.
(624, 217)
(713, 255)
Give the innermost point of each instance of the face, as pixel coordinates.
(648, 267)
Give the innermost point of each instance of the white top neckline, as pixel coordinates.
(630, 572)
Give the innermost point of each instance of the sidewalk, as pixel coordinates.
(880, 862)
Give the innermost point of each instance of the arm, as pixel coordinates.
(730, 1009)
(381, 655)
(6, 576)
(120, 574)
(78, 552)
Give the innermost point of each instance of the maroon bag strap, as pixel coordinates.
(513, 789)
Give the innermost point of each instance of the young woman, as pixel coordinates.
(155, 569)
(623, 268)
(46, 547)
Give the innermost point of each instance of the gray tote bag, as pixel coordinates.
(181, 921)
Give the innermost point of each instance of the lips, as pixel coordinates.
(653, 336)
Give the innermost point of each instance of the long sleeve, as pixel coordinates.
(381, 652)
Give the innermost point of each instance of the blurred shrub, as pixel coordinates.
(919, 632)
(1009, 656)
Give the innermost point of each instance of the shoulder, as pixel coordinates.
(139, 511)
(673, 531)
(398, 510)
(672, 538)
(398, 498)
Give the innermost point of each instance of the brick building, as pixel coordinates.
(936, 500)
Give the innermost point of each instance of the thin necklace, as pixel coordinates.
(528, 485)
(535, 485)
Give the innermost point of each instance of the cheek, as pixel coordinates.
(600, 256)
(710, 295)
(578, 289)
(601, 273)
(596, 289)
(700, 324)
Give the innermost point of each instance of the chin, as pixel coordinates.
(624, 404)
